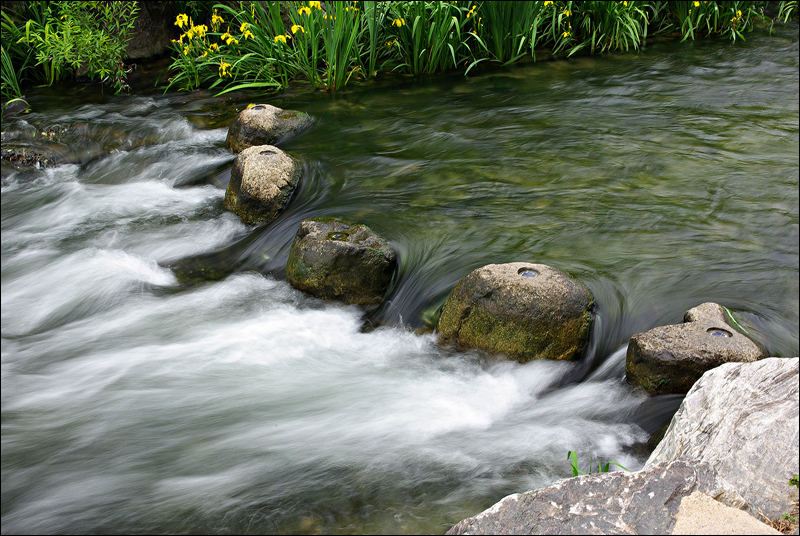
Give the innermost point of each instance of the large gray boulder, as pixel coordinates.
(262, 180)
(264, 124)
(743, 420)
(521, 310)
(620, 502)
(670, 359)
(337, 260)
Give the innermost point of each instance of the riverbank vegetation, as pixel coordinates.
(265, 45)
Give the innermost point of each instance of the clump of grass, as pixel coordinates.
(573, 457)
(787, 10)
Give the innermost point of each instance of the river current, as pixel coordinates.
(138, 397)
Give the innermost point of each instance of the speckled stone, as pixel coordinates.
(619, 502)
(743, 419)
(337, 260)
(262, 180)
(521, 310)
(670, 359)
(264, 124)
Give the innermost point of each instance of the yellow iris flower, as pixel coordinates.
(181, 20)
(297, 27)
(281, 38)
(216, 20)
(399, 22)
(315, 4)
(306, 10)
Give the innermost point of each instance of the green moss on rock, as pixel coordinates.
(337, 260)
(521, 310)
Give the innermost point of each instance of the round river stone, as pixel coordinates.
(262, 180)
(522, 310)
(264, 124)
(337, 260)
(670, 359)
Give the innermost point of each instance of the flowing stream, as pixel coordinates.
(139, 395)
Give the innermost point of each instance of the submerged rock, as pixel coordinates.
(522, 310)
(670, 359)
(743, 419)
(264, 124)
(262, 180)
(336, 260)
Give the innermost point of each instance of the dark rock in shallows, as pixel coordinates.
(522, 310)
(262, 180)
(644, 502)
(264, 124)
(336, 260)
(670, 359)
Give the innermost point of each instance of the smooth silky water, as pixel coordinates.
(159, 374)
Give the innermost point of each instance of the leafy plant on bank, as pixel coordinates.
(787, 10)
(506, 30)
(427, 36)
(373, 22)
(18, 58)
(729, 19)
(266, 44)
(72, 37)
(600, 467)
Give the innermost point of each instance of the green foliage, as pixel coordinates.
(729, 19)
(337, 42)
(17, 58)
(505, 29)
(573, 457)
(374, 18)
(428, 36)
(69, 37)
(795, 481)
(266, 44)
(787, 10)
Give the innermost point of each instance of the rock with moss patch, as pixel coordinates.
(262, 180)
(264, 124)
(337, 260)
(522, 310)
(670, 359)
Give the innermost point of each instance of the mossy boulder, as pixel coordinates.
(670, 359)
(522, 310)
(262, 179)
(264, 124)
(337, 260)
